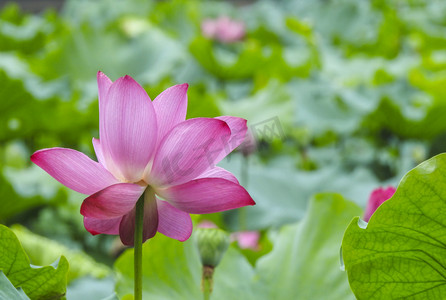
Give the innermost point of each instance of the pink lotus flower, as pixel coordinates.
(377, 197)
(223, 29)
(148, 147)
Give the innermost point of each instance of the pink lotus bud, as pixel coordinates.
(377, 197)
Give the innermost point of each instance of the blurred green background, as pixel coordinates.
(342, 96)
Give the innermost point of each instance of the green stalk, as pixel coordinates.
(207, 291)
(244, 183)
(207, 282)
(139, 219)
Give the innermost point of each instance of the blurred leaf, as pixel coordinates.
(227, 63)
(22, 33)
(200, 103)
(180, 18)
(42, 251)
(10, 205)
(401, 251)
(389, 116)
(270, 103)
(8, 291)
(172, 269)
(343, 22)
(88, 288)
(38, 282)
(331, 108)
(282, 193)
(82, 51)
(304, 263)
(50, 119)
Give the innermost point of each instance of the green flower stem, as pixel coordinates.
(244, 183)
(139, 219)
(244, 171)
(206, 281)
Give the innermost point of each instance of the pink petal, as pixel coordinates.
(74, 169)
(98, 150)
(173, 222)
(377, 197)
(188, 150)
(112, 202)
(170, 107)
(217, 172)
(130, 129)
(206, 195)
(104, 84)
(127, 226)
(97, 226)
(238, 133)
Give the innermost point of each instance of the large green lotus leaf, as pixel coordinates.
(304, 262)
(401, 254)
(8, 291)
(43, 251)
(47, 282)
(172, 270)
(89, 288)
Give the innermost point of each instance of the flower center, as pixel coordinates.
(142, 183)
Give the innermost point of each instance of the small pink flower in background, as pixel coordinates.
(377, 197)
(149, 147)
(247, 239)
(223, 29)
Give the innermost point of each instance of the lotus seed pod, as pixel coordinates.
(212, 244)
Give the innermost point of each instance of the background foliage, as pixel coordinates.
(344, 96)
